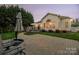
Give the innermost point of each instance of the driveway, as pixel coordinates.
(47, 45)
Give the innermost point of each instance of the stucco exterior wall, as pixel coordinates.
(66, 24)
(60, 24)
(54, 19)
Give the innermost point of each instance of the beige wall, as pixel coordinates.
(53, 19)
(65, 24)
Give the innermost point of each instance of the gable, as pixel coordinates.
(51, 14)
(52, 17)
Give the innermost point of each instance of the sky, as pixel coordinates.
(40, 10)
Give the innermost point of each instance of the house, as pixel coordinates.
(53, 22)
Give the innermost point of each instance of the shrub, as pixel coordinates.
(50, 31)
(77, 31)
(57, 31)
(43, 30)
(64, 31)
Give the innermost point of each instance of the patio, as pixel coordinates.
(43, 45)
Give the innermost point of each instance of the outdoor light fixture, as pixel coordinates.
(50, 23)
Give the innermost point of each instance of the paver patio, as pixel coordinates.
(43, 45)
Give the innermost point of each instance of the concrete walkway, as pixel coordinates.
(43, 45)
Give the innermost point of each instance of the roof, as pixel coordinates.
(64, 17)
(61, 17)
(36, 23)
(49, 14)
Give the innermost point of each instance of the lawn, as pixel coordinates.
(8, 35)
(68, 35)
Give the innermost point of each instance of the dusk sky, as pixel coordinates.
(40, 10)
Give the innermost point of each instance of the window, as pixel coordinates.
(49, 24)
(66, 24)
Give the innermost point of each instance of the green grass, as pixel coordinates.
(8, 35)
(68, 35)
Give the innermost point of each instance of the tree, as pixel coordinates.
(8, 17)
(27, 18)
(3, 18)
